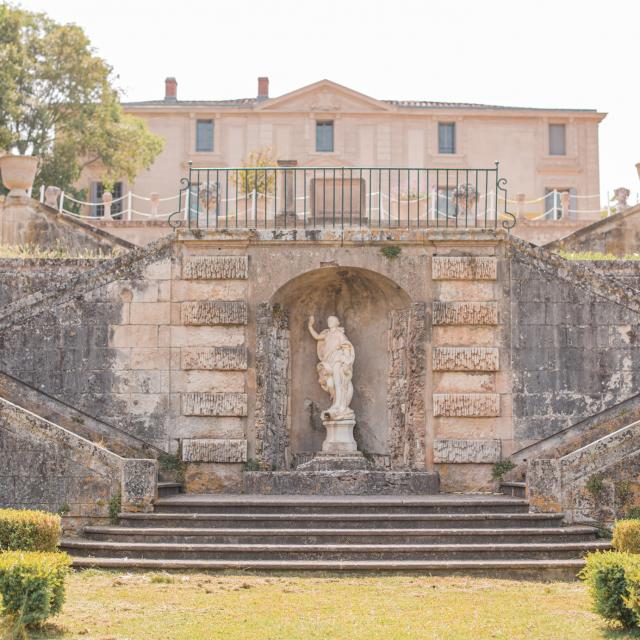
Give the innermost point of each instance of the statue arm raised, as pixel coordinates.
(312, 331)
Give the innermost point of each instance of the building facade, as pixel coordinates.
(328, 125)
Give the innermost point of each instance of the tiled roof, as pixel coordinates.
(428, 104)
(403, 104)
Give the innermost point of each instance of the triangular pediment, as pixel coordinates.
(324, 96)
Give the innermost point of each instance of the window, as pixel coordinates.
(557, 140)
(446, 137)
(553, 203)
(204, 135)
(324, 136)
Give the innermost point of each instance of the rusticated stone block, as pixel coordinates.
(460, 313)
(464, 268)
(215, 267)
(215, 358)
(466, 451)
(214, 450)
(213, 312)
(466, 404)
(228, 403)
(466, 359)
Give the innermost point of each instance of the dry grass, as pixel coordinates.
(57, 252)
(596, 255)
(189, 606)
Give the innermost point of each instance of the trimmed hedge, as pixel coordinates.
(25, 530)
(613, 578)
(626, 536)
(32, 586)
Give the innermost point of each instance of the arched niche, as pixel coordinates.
(376, 314)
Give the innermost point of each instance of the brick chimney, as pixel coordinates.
(170, 90)
(263, 88)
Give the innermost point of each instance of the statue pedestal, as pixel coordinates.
(339, 440)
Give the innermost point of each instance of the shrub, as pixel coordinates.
(606, 575)
(502, 467)
(115, 507)
(391, 251)
(22, 529)
(626, 536)
(32, 587)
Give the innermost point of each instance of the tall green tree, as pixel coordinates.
(58, 102)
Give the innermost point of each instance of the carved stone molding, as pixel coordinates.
(460, 313)
(214, 450)
(215, 267)
(214, 312)
(467, 451)
(217, 358)
(214, 404)
(466, 405)
(464, 268)
(466, 359)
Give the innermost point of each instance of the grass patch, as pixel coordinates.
(58, 252)
(110, 605)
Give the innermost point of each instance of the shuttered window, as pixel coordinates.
(324, 135)
(557, 140)
(446, 137)
(204, 135)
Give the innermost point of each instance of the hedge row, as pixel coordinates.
(22, 529)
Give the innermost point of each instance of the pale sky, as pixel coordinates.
(560, 53)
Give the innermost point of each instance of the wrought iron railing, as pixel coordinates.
(317, 197)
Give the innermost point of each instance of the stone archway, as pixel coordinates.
(388, 334)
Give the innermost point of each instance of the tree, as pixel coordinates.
(263, 182)
(58, 102)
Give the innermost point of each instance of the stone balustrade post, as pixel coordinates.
(564, 200)
(155, 203)
(51, 195)
(520, 197)
(107, 199)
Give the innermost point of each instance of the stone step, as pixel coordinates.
(339, 504)
(527, 551)
(339, 536)
(378, 520)
(514, 489)
(539, 569)
(168, 489)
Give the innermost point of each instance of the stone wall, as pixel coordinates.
(32, 223)
(20, 277)
(47, 467)
(618, 234)
(575, 342)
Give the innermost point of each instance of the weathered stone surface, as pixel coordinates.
(466, 404)
(466, 451)
(215, 267)
(407, 377)
(215, 358)
(466, 359)
(214, 450)
(460, 313)
(465, 268)
(214, 404)
(139, 484)
(341, 483)
(272, 386)
(213, 312)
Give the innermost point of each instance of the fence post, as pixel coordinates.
(107, 199)
(129, 204)
(61, 205)
(520, 197)
(556, 204)
(155, 204)
(42, 193)
(564, 198)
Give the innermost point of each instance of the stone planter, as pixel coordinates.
(18, 173)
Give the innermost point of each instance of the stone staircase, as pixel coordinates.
(446, 534)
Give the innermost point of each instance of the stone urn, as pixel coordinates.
(18, 173)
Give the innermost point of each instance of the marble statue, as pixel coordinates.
(621, 196)
(335, 369)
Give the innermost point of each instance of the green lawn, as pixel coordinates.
(193, 606)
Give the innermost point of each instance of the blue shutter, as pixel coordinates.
(204, 135)
(446, 137)
(557, 140)
(324, 136)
